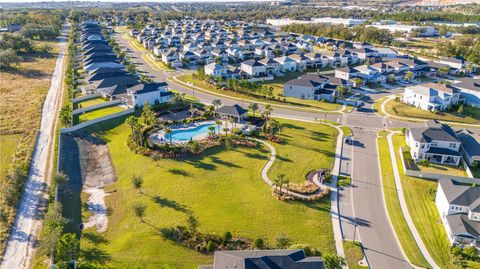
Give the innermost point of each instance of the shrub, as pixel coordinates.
(425, 163)
(227, 236)
(258, 243)
(210, 246)
(282, 241)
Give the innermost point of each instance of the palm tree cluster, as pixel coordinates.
(252, 88)
(136, 128)
(280, 182)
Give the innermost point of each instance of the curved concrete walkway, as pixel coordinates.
(273, 156)
(403, 205)
(388, 115)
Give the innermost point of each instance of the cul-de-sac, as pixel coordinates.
(248, 134)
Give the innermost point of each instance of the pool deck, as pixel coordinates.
(160, 136)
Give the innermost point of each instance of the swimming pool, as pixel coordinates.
(183, 135)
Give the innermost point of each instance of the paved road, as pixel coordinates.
(22, 240)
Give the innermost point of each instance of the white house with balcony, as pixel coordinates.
(459, 208)
(431, 96)
(436, 143)
(152, 93)
(216, 70)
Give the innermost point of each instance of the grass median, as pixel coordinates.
(407, 241)
(420, 198)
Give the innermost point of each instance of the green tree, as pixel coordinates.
(139, 211)
(155, 157)
(227, 236)
(168, 131)
(333, 261)
(460, 109)
(52, 229)
(9, 58)
(137, 183)
(258, 243)
(357, 82)
(216, 103)
(210, 246)
(253, 107)
(67, 248)
(60, 179)
(148, 115)
(283, 241)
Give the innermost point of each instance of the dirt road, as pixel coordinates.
(22, 240)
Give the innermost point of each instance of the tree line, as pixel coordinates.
(357, 33)
(467, 47)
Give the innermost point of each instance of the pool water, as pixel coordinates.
(189, 134)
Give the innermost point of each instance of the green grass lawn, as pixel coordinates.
(399, 223)
(346, 131)
(8, 145)
(289, 100)
(420, 197)
(90, 102)
(470, 114)
(353, 254)
(307, 147)
(222, 188)
(98, 113)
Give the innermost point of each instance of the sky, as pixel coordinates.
(132, 1)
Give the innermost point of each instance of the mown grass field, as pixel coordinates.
(222, 188)
(306, 147)
(470, 115)
(90, 102)
(420, 197)
(97, 113)
(353, 254)
(289, 100)
(407, 241)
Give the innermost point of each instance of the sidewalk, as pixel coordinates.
(403, 204)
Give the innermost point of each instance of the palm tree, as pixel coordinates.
(137, 182)
(281, 180)
(268, 111)
(253, 107)
(60, 179)
(341, 90)
(139, 210)
(155, 157)
(358, 82)
(216, 103)
(168, 131)
(408, 75)
(131, 121)
(225, 130)
(211, 130)
(218, 123)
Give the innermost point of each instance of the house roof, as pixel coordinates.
(266, 259)
(429, 134)
(234, 110)
(468, 84)
(470, 143)
(461, 194)
(460, 225)
(146, 88)
(123, 80)
(253, 63)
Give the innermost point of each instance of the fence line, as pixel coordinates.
(96, 106)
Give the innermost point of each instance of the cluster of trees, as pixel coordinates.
(427, 16)
(358, 33)
(464, 46)
(10, 47)
(63, 247)
(461, 256)
(66, 110)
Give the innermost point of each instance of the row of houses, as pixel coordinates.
(439, 97)
(403, 69)
(458, 203)
(104, 74)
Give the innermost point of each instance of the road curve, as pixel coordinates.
(22, 240)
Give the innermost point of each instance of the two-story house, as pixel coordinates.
(254, 68)
(431, 96)
(459, 208)
(436, 143)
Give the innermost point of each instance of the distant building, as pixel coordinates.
(409, 29)
(264, 259)
(326, 20)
